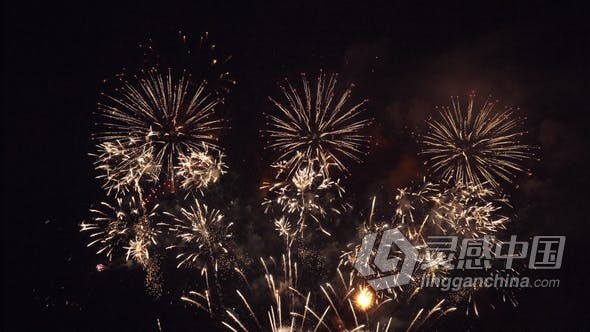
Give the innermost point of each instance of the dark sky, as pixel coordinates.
(405, 59)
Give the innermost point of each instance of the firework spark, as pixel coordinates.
(157, 126)
(475, 146)
(317, 124)
(200, 56)
(357, 307)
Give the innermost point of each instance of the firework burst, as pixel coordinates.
(468, 211)
(159, 131)
(131, 232)
(202, 233)
(123, 163)
(199, 169)
(125, 225)
(308, 195)
(158, 126)
(472, 145)
(145, 238)
(317, 124)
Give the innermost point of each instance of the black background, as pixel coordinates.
(405, 59)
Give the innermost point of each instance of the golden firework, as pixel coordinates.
(156, 126)
(317, 123)
(474, 146)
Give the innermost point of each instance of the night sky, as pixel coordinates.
(404, 59)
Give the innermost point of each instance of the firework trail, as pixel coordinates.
(349, 255)
(351, 305)
(354, 306)
(347, 304)
(471, 145)
(316, 123)
(279, 306)
(423, 315)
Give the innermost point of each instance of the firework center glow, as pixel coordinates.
(364, 299)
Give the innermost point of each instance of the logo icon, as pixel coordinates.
(383, 262)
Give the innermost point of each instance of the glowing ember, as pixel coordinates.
(364, 299)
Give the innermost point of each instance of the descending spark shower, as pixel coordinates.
(158, 153)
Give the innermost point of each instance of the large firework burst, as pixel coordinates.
(473, 145)
(156, 124)
(317, 124)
